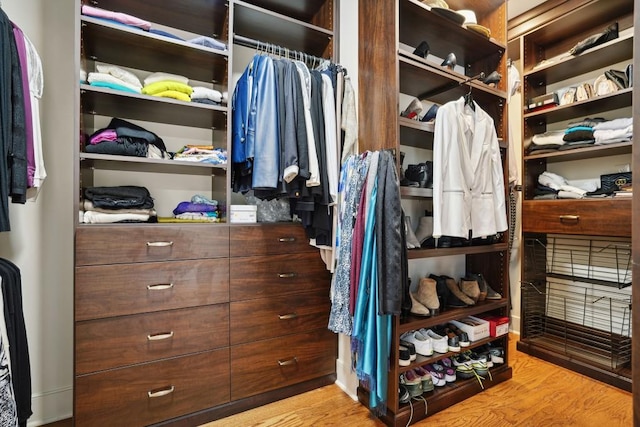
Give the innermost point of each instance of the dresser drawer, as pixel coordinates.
(266, 276)
(264, 318)
(112, 244)
(127, 340)
(114, 290)
(267, 365)
(598, 217)
(153, 392)
(271, 239)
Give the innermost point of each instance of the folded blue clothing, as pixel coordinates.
(194, 207)
(165, 33)
(208, 42)
(113, 86)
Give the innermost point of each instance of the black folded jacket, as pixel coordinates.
(610, 33)
(119, 197)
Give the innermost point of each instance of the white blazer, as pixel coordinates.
(468, 180)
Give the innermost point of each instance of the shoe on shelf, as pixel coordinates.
(413, 109)
(417, 308)
(463, 337)
(410, 237)
(448, 371)
(492, 79)
(422, 49)
(404, 357)
(412, 382)
(427, 380)
(436, 375)
(442, 290)
(470, 288)
(403, 394)
(489, 292)
(424, 230)
(450, 61)
(439, 343)
(422, 343)
(430, 114)
(427, 295)
(457, 292)
(411, 348)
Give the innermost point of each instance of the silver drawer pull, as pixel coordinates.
(159, 244)
(161, 392)
(160, 286)
(287, 239)
(288, 362)
(287, 316)
(573, 218)
(286, 275)
(160, 336)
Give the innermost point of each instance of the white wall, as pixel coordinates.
(40, 242)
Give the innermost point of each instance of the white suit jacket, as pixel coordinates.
(468, 180)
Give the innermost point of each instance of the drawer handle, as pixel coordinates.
(572, 218)
(286, 275)
(287, 239)
(288, 362)
(160, 336)
(287, 316)
(159, 244)
(160, 286)
(161, 392)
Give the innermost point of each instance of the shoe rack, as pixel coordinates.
(390, 46)
(569, 244)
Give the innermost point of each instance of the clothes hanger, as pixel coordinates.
(468, 99)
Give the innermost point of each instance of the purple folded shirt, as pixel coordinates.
(105, 135)
(193, 207)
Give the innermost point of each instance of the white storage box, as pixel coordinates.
(243, 214)
(475, 327)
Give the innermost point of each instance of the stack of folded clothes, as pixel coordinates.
(612, 131)
(202, 154)
(198, 209)
(546, 142)
(126, 139)
(554, 186)
(205, 95)
(114, 77)
(580, 134)
(106, 205)
(168, 85)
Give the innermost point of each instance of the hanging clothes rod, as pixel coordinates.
(449, 86)
(277, 50)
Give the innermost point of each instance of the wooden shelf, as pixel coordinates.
(462, 250)
(115, 103)
(583, 153)
(120, 45)
(143, 161)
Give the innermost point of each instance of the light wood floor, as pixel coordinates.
(539, 394)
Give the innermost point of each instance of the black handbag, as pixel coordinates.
(596, 39)
(618, 77)
(614, 181)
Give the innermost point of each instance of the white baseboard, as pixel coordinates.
(346, 379)
(51, 406)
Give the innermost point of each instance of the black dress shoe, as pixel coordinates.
(450, 62)
(431, 114)
(422, 49)
(492, 78)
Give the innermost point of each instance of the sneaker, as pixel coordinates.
(453, 341)
(411, 348)
(439, 342)
(463, 337)
(436, 375)
(422, 342)
(412, 382)
(404, 358)
(425, 376)
(403, 394)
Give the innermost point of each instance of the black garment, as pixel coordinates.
(120, 147)
(317, 116)
(390, 244)
(119, 197)
(17, 336)
(404, 274)
(132, 132)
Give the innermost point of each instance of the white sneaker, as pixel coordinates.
(421, 341)
(439, 343)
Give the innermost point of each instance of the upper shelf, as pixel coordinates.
(204, 17)
(317, 12)
(556, 70)
(121, 45)
(583, 153)
(271, 27)
(109, 102)
(418, 23)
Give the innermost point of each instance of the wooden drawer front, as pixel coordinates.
(248, 240)
(114, 290)
(125, 244)
(264, 318)
(121, 341)
(592, 217)
(266, 276)
(121, 397)
(275, 363)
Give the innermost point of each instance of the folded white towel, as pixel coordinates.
(161, 76)
(108, 78)
(120, 73)
(201, 92)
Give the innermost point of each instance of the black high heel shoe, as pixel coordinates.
(422, 49)
(492, 78)
(450, 62)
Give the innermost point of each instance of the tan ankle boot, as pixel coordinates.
(425, 229)
(455, 289)
(471, 288)
(417, 308)
(428, 295)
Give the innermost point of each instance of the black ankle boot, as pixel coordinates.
(442, 290)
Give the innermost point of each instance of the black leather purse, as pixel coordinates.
(614, 181)
(596, 39)
(618, 77)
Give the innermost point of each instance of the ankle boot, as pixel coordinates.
(470, 288)
(428, 296)
(417, 308)
(412, 241)
(425, 229)
(457, 292)
(441, 290)
(486, 292)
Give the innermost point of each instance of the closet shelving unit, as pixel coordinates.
(174, 322)
(592, 333)
(389, 32)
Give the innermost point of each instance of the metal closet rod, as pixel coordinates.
(278, 50)
(450, 86)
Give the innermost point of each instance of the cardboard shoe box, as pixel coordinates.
(475, 327)
(243, 214)
(498, 325)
